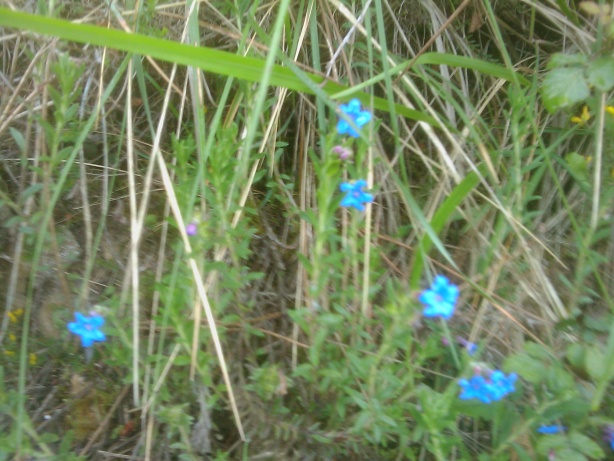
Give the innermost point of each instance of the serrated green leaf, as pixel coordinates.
(564, 87)
(600, 73)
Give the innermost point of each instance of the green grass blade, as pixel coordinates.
(219, 62)
(442, 215)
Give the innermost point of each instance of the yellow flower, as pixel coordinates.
(610, 110)
(12, 337)
(583, 118)
(14, 315)
(33, 358)
(9, 353)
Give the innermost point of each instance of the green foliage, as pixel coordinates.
(327, 352)
(571, 78)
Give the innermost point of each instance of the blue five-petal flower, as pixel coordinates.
(359, 117)
(440, 299)
(355, 196)
(87, 328)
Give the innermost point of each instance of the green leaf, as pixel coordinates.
(585, 445)
(330, 320)
(595, 362)
(479, 65)
(31, 190)
(48, 437)
(564, 87)
(441, 217)
(575, 354)
(600, 73)
(554, 442)
(526, 366)
(19, 139)
(567, 454)
(560, 381)
(562, 59)
(537, 351)
(219, 62)
(523, 455)
(577, 165)
(12, 221)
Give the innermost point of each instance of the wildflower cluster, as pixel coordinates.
(487, 389)
(440, 301)
(355, 196)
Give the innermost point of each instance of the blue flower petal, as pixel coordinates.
(487, 391)
(440, 299)
(358, 117)
(553, 429)
(87, 328)
(355, 197)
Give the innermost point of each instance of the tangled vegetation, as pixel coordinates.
(307, 230)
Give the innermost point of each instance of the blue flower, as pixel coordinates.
(87, 328)
(472, 348)
(359, 117)
(440, 299)
(608, 435)
(487, 390)
(355, 196)
(473, 388)
(553, 429)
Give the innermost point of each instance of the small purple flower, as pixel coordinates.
(87, 328)
(358, 116)
(342, 152)
(440, 299)
(191, 229)
(553, 429)
(355, 196)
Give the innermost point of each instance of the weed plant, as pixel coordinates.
(307, 230)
